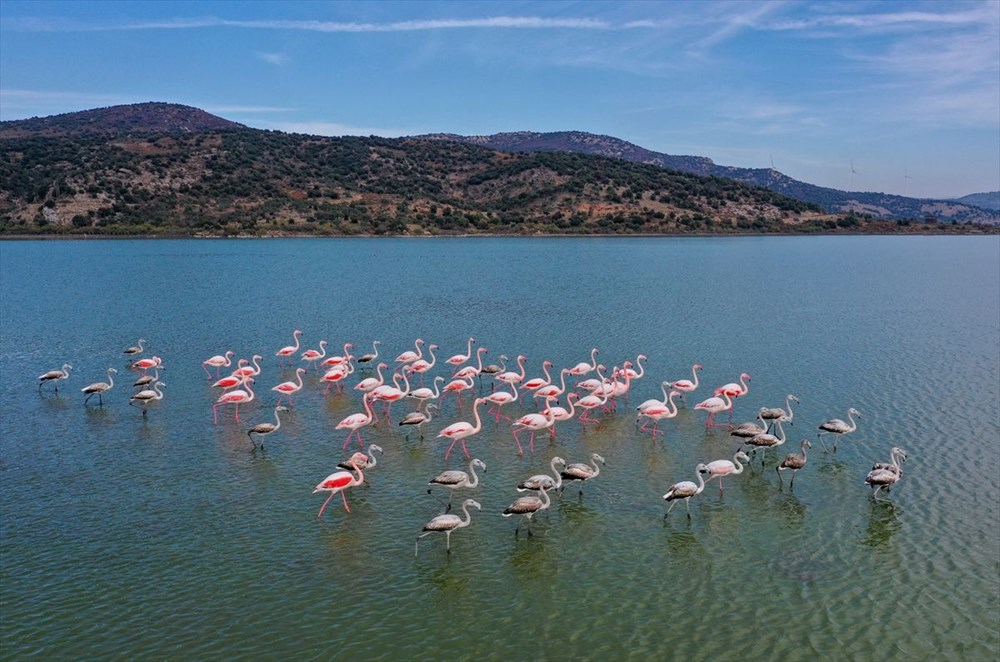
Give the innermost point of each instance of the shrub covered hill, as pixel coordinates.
(164, 169)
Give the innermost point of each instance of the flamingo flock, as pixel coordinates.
(598, 389)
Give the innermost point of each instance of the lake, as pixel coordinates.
(171, 537)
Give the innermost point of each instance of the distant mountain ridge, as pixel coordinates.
(879, 205)
(150, 117)
(990, 200)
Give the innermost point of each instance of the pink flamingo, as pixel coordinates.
(594, 384)
(583, 367)
(372, 383)
(246, 370)
(420, 366)
(336, 482)
(237, 397)
(553, 390)
(154, 362)
(589, 403)
(423, 393)
(339, 360)
(461, 430)
(539, 382)
(713, 406)
(232, 381)
(664, 385)
(722, 468)
(286, 352)
(561, 414)
(642, 369)
(389, 394)
(686, 385)
(513, 377)
(459, 359)
(658, 412)
(288, 389)
(411, 356)
(217, 362)
(469, 372)
(355, 422)
(621, 388)
(313, 355)
(734, 390)
(533, 422)
(457, 386)
(498, 399)
(336, 375)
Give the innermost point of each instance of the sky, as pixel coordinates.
(899, 97)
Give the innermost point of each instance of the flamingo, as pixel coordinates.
(539, 382)
(533, 422)
(100, 388)
(498, 399)
(420, 366)
(54, 376)
(686, 386)
(418, 419)
(583, 367)
(264, 429)
(217, 362)
(621, 388)
(146, 364)
(336, 482)
(137, 349)
(469, 372)
(148, 379)
(510, 377)
(594, 385)
(527, 506)
(461, 430)
(339, 360)
(147, 396)
(538, 481)
(642, 369)
(389, 394)
(581, 472)
(447, 523)
(457, 386)
(734, 390)
(287, 352)
(336, 375)
(355, 422)
(659, 411)
(456, 479)
(459, 359)
(886, 478)
(246, 370)
(764, 440)
(371, 383)
(685, 490)
(838, 427)
(551, 389)
(560, 414)
(713, 406)
(750, 429)
(423, 393)
(313, 355)
(590, 402)
(364, 461)
(794, 461)
(371, 356)
(722, 468)
(232, 380)
(236, 397)
(777, 413)
(288, 389)
(411, 356)
(664, 385)
(494, 369)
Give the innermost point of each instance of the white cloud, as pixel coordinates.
(277, 59)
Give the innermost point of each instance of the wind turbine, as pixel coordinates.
(853, 172)
(906, 183)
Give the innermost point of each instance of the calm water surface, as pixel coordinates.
(169, 538)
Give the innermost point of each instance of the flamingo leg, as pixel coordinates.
(344, 497)
(520, 451)
(448, 452)
(323, 507)
(465, 449)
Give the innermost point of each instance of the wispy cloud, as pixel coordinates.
(889, 21)
(276, 59)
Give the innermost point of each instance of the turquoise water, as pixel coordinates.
(169, 537)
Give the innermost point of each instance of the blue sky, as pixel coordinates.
(909, 92)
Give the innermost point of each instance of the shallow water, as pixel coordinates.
(169, 537)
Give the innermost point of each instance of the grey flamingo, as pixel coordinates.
(880, 479)
(527, 506)
(794, 461)
(838, 427)
(685, 490)
(447, 523)
(99, 388)
(581, 472)
(147, 396)
(54, 376)
(538, 481)
(456, 480)
(264, 429)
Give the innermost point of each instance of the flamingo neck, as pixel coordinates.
(111, 380)
(472, 472)
(296, 337)
(854, 424)
(468, 516)
(694, 376)
(479, 358)
(701, 481)
(788, 403)
(277, 419)
(642, 369)
(520, 364)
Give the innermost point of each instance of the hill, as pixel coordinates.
(879, 205)
(989, 200)
(167, 169)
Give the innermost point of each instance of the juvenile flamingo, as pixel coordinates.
(418, 419)
(289, 351)
(838, 427)
(148, 379)
(886, 478)
(147, 396)
(237, 397)
(217, 362)
(461, 430)
(538, 481)
(686, 386)
(527, 506)
(459, 359)
(288, 389)
(749, 429)
(713, 406)
(99, 388)
(685, 490)
(777, 413)
(447, 523)
(136, 349)
(722, 468)
(581, 472)
(765, 440)
(371, 356)
(456, 479)
(794, 461)
(264, 429)
(336, 482)
(313, 355)
(54, 376)
(355, 422)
